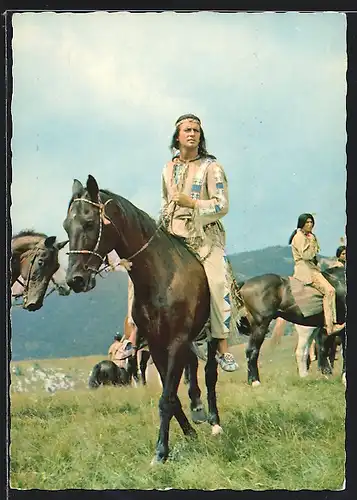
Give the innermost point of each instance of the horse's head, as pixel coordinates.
(89, 233)
(37, 269)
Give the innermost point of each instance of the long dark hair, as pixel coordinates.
(202, 150)
(300, 224)
(340, 250)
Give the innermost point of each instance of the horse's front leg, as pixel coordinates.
(255, 341)
(332, 349)
(145, 356)
(322, 359)
(132, 368)
(198, 413)
(343, 352)
(211, 376)
(170, 369)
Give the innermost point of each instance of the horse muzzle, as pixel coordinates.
(63, 290)
(32, 306)
(79, 284)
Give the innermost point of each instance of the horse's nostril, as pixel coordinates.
(77, 283)
(32, 306)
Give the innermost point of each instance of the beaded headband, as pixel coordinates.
(194, 120)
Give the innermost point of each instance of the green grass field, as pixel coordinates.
(286, 434)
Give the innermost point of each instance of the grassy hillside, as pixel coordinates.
(286, 434)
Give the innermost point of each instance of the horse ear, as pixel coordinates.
(60, 245)
(77, 189)
(49, 242)
(92, 188)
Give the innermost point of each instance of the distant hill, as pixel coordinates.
(84, 324)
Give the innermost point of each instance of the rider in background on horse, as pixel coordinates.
(119, 350)
(305, 248)
(341, 256)
(194, 199)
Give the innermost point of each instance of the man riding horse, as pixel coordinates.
(194, 199)
(305, 248)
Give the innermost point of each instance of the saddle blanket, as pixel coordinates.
(307, 298)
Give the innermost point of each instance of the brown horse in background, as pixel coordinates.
(34, 262)
(268, 297)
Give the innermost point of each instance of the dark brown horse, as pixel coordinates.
(268, 297)
(171, 304)
(108, 373)
(34, 262)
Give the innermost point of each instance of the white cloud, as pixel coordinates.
(130, 64)
(99, 93)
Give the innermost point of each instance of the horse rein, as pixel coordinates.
(126, 263)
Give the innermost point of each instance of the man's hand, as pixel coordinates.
(183, 200)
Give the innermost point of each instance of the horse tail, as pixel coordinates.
(278, 331)
(93, 381)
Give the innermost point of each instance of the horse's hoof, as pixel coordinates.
(191, 434)
(216, 430)
(157, 461)
(256, 383)
(198, 415)
(303, 374)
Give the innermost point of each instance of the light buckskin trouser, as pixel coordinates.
(132, 336)
(220, 307)
(329, 298)
(130, 300)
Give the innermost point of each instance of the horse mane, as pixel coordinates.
(144, 220)
(131, 211)
(29, 232)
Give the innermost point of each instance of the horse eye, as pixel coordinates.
(40, 262)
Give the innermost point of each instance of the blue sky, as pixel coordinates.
(99, 93)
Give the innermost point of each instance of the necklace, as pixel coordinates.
(188, 161)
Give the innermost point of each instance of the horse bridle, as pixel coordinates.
(102, 216)
(27, 282)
